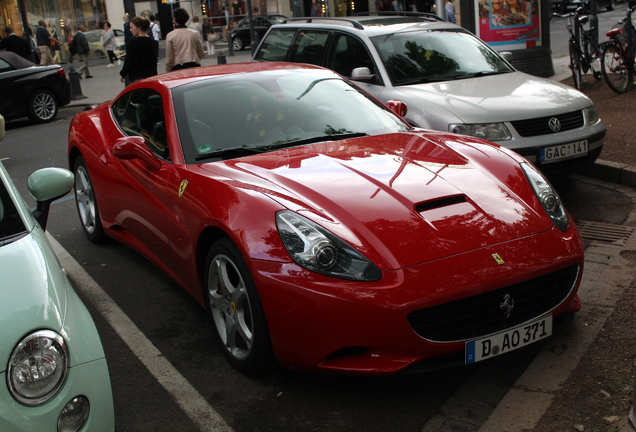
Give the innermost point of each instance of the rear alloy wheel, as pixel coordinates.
(87, 204)
(236, 310)
(237, 44)
(42, 106)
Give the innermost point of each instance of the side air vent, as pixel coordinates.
(438, 203)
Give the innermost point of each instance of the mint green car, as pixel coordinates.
(53, 373)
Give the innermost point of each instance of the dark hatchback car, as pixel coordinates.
(571, 5)
(31, 91)
(241, 33)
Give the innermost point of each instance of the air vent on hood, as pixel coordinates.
(438, 203)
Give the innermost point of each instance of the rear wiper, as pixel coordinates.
(232, 151)
(320, 138)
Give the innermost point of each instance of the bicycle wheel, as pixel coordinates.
(617, 74)
(575, 65)
(594, 58)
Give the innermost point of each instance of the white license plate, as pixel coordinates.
(509, 340)
(563, 151)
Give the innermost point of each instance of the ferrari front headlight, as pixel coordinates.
(547, 196)
(37, 367)
(487, 131)
(318, 250)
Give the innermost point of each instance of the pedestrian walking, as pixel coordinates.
(183, 46)
(83, 51)
(450, 12)
(209, 36)
(43, 39)
(127, 34)
(55, 46)
(14, 43)
(109, 43)
(141, 58)
(155, 33)
(237, 11)
(196, 26)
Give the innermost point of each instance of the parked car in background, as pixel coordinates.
(320, 229)
(570, 5)
(28, 90)
(53, 373)
(450, 81)
(96, 45)
(240, 34)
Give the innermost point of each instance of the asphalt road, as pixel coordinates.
(168, 373)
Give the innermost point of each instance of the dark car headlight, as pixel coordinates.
(37, 367)
(316, 249)
(547, 196)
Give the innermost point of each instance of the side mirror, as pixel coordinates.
(45, 186)
(134, 147)
(507, 56)
(398, 107)
(362, 74)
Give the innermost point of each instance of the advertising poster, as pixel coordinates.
(509, 24)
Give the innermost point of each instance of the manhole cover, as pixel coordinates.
(604, 232)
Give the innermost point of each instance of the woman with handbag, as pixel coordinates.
(210, 36)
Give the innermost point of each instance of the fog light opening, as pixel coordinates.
(74, 415)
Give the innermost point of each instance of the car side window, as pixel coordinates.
(276, 45)
(140, 113)
(4, 66)
(349, 53)
(261, 22)
(309, 47)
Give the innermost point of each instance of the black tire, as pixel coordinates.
(617, 74)
(42, 106)
(575, 65)
(86, 204)
(236, 310)
(237, 44)
(610, 5)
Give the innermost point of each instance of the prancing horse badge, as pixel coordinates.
(182, 187)
(498, 258)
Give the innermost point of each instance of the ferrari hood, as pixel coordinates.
(505, 97)
(32, 296)
(401, 199)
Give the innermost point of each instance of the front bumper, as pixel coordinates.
(90, 380)
(321, 323)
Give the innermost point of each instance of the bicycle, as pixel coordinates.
(617, 61)
(583, 46)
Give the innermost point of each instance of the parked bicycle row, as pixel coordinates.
(612, 60)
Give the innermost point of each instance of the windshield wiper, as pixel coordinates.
(320, 138)
(480, 74)
(232, 151)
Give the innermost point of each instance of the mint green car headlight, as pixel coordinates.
(38, 367)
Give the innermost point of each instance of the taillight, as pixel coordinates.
(614, 32)
(61, 72)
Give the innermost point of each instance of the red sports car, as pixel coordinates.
(321, 230)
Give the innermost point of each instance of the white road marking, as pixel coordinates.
(186, 396)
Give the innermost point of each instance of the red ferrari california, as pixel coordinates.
(318, 228)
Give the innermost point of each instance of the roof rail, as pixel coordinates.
(308, 20)
(400, 13)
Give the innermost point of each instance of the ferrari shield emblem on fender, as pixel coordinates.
(498, 258)
(182, 187)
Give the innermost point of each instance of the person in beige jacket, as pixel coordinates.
(183, 46)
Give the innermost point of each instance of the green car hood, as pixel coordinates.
(33, 291)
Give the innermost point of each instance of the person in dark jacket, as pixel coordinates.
(141, 57)
(13, 42)
(44, 39)
(83, 50)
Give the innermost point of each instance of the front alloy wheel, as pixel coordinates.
(237, 44)
(86, 203)
(236, 310)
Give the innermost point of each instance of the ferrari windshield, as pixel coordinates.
(237, 115)
(430, 56)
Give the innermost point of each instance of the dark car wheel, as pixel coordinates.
(87, 204)
(237, 44)
(42, 106)
(236, 310)
(610, 5)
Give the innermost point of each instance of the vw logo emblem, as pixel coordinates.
(554, 124)
(507, 305)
